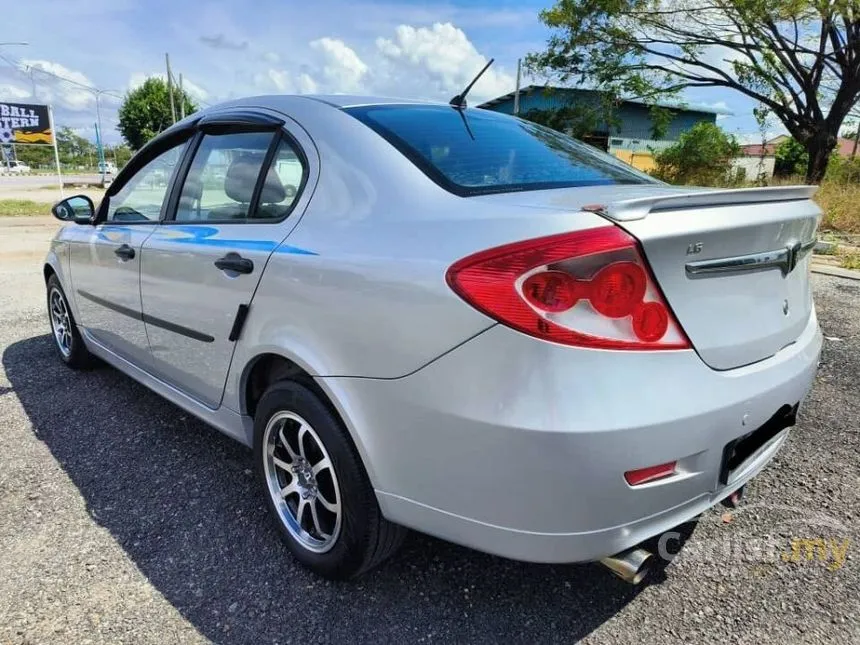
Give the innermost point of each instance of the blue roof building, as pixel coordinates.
(633, 130)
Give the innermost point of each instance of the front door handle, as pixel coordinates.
(125, 252)
(235, 262)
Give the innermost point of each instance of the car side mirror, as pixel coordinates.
(78, 209)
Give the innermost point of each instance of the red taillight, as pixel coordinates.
(550, 290)
(588, 288)
(650, 321)
(649, 474)
(617, 289)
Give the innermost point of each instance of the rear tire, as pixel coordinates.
(64, 330)
(316, 487)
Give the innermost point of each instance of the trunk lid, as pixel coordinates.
(732, 264)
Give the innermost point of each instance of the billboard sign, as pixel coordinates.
(23, 123)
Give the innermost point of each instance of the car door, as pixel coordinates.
(105, 259)
(200, 268)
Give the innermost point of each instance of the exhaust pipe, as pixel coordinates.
(631, 566)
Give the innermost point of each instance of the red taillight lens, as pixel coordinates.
(649, 474)
(617, 289)
(550, 290)
(588, 288)
(650, 321)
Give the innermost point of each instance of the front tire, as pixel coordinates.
(316, 487)
(67, 339)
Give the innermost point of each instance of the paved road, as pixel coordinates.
(122, 520)
(24, 182)
(44, 188)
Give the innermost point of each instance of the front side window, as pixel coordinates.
(141, 198)
(224, 174)
(474, 152)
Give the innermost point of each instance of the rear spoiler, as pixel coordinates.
(633, 209)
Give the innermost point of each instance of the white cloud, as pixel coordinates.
(285, 83)
(58, 84)
(280, 79)
(271, 57)
(341, 66)
(194, 90)
(307, 85)
(442, 58)
(433, 62)
(139, 78)
(719, 105)
(13, 92)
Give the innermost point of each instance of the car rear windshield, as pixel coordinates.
(475, 152)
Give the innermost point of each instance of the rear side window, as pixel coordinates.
(475, 152)
(222, 181)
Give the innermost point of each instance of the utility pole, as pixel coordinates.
(102, 164)
(517, 90)
(56, 151)
(170, 87)
(181, 98)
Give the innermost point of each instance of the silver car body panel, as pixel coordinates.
(533, 439)
(107, 287)
(177, 268)
(351, 287)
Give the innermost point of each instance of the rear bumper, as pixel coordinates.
(518, 447)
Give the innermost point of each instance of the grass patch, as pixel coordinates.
(841, 205)
(23, 208)
(849, 260)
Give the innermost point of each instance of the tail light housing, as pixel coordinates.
(588, 288)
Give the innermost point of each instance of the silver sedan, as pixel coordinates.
(437, 317)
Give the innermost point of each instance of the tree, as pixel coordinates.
(120, 153)
(799, 58)
(791, 158)
(34, 156)
(703, 155)
(75, 149)
(575, 120)
(145, 111)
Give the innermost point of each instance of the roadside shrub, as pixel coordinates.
(703, 156)
(840, 202)
(791, 159)
(850, 261)
(843, 170)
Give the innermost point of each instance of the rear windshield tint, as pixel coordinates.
(475, 152)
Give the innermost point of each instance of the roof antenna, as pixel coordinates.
(459, 101)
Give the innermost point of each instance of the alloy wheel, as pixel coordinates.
(302, 482)
(60, 322)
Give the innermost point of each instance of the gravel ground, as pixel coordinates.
(123, 520)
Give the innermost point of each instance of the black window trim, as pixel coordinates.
(239, 124)
(442, 181)
(171, 138)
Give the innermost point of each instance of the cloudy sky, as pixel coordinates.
(231, 48)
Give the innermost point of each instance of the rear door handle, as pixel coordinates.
(125, 252)
(235, 262)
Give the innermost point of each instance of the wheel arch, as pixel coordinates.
(268, 367)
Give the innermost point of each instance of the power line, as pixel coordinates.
(25, 68)
(20, 66)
